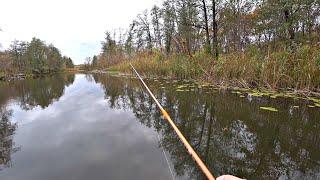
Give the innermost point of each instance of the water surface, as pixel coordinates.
(80, 126)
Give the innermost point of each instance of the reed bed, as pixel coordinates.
(298, 70)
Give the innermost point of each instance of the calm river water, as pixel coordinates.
(107, 127)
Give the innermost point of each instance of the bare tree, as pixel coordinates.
(87, 63)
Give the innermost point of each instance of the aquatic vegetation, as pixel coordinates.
(236, 92)
(112, 72)
(181, 70)
(269, 109)
(290, 95)
(246, 70)
(255, 94)
(204, 85)
(315, 100)
(181, 86)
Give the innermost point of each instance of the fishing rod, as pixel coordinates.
(190, 150)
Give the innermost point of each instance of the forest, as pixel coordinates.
(272, 44)
(35, 57)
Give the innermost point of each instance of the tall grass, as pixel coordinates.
(253, 68)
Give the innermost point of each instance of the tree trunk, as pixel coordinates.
(208, 46)
(215, 30)
(150, 41)
(288, 21)
(202, 127)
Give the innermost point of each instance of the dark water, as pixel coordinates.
(106, 127)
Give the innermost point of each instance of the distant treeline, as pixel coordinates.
(32, 57)
(258, 42)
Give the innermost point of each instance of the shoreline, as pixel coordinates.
(22, 76)
(233, 87)
(17, 76)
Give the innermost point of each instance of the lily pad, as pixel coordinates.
(181, 86)
(255, 94)
(205, 85)
(291, 96)
(236, 92)
(269, 109)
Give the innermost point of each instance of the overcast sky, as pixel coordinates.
(76, 27)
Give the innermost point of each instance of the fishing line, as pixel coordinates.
(165, 155)
(190, 150)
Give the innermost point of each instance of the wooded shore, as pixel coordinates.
(297, 72)
(272, 45)
(31, 59)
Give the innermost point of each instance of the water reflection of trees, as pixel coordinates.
(7, 129)
(28, 93)
(32, 92)
(230, 133)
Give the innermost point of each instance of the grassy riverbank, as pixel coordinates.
(277, 71)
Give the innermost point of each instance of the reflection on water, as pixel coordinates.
(6, 131)
(105, 127)
(30, 93)
(231, 134)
